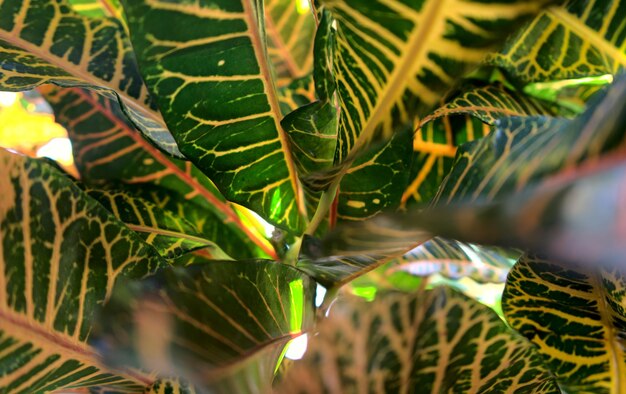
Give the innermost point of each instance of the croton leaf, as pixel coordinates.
(524, 150)
(488, 103)
(172, 235)
(107, 149)
(455, 260)
(60, 254)
(45, 41)
(394, 60)
(579, 39)
(575, 315)
(438, 341)
(221, 326)
(296, 94)
(376, 180)
(214, 87)
(434, 148)
(290, 27)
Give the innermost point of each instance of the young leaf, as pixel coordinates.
(433, 342)
(575, 316)
(579, 39)
(60, 255)
(221, 326)
(213, 85)
(45, 41)
(107, 149)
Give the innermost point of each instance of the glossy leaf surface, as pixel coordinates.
(214, 87)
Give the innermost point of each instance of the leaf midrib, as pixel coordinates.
(270, 90)
(78, 72)
(414, 49)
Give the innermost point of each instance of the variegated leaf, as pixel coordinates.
(290, 27)
(523, 150)
(107, 149)
(579, 39)
(376, 180)
(434, 148)
(214, 87)
(171, 234)
(433, 342)
(60, 254)
(221, 326)
(394, 60)
(45, 41)
(576, 317)
(488, 103)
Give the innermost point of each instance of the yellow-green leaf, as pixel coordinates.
(60, 254)
(575, 315)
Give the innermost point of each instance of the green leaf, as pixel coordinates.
(488, 103)
(524, 150)
(454, 260)
(44, 41)
(438, 341)
(221, 326)
(171, 234)
(290, 27)
(376, 180)
(298, 93)
(60, 254)
(170, 386)
(394, 60)
(108, 150)
(575, 316)
(434, 149)
(579, 39)
(213, 85)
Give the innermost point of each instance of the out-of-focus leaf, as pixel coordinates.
(221, 326)
(298, 93)
(579, 39)
(43, 41)
(575, 315)
(433, 342)
(290, 30)
(214, 87)
(454, 260)
(107, 149)
(524, 150)
(355, 248)
(60, 254)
